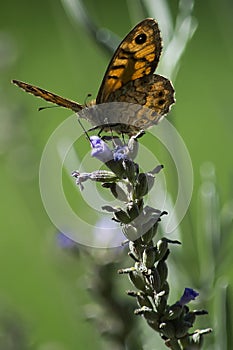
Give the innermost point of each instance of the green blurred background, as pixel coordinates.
(40, 44)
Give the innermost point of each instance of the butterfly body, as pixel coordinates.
(144, 97)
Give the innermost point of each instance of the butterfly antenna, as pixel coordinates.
(85, 132)
(85, 101)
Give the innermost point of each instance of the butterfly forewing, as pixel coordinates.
(49, 96)
(137, 56)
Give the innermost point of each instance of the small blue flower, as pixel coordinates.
(189, 294)
(100, 149)
(120, 153)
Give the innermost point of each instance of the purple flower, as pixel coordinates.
(120, 153)
(65, 242)
(189, 294)
(108, 234)
(100, 149)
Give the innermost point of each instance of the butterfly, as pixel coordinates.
(144, 97)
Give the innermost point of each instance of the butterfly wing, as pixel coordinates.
(129, 78)
(137, 55)
(49, 96)
(153, 94)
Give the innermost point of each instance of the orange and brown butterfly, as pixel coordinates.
(128, 79)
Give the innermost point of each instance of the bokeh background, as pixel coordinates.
(43, 289)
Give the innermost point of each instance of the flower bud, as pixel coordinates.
(155, 280)
(162, 247)
(141, 187)
(174, 312)
(133, 147)
(154, 325)
(98, 176)
(149, 314)
(138, 280)
(150, 181)
(132, 210)
(181, 328)
(103, 176)
(157, 169)
(148, 257)
(122, 216)
(109, 208)
(149, 235)
(130, 232)
(162, 270)
(160, 302)
(190, 317)
(166, 289)
(117, 191)
(127, 270)
(143, 300)
(167, 329)
(130, 170)
(133, 250)
(116, 167)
